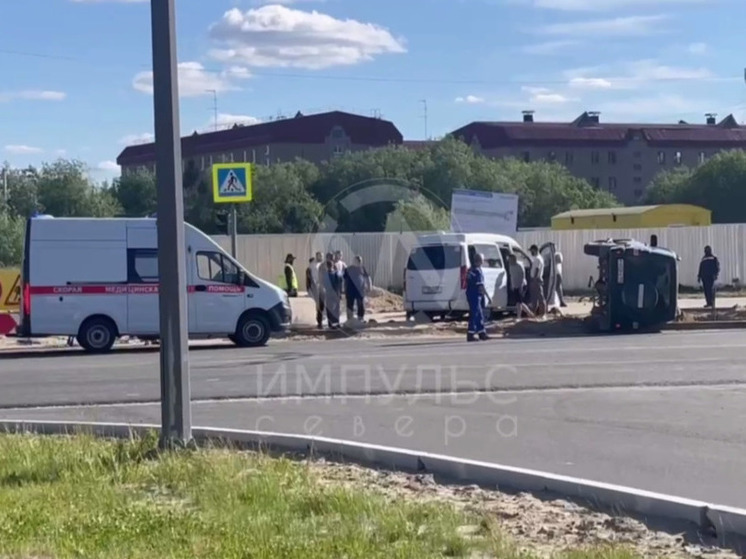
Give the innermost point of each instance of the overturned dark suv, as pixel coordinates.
(637, 285)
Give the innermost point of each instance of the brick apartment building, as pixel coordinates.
(620, 158)
(318, 137)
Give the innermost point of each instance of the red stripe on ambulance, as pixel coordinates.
(134, 289)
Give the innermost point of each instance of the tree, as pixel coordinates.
(668, 186)
(11, 248)
(282, 201)
(418, 214)
(64, 189)
(719, 185)
(136, 193)
(359, 190)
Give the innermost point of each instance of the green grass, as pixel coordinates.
(83, 497)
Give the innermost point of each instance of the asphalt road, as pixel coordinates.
(659, 412)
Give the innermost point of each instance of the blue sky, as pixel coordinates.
(76, 72)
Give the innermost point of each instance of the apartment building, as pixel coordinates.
(316, 138)
(620, 158)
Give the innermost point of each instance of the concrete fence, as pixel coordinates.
(385, 254)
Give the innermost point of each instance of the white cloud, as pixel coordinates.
(109, 1)
(544, 96)
(633, 75)
(108, 166)
(195, 80)
(470, 99)
(615, 27)
(660, 107)
(277, 36)
(60, 152)
(549, 47)
(134, 139)
(226, 120)
(33, 95)
(697, 48)
(590, 83)
(21, 149)
(604, 5)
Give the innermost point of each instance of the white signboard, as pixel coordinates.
(474, 211)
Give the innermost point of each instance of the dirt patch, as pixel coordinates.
(734, 313)
(382, 301)
(545, 527)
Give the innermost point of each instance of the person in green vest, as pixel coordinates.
(288, 280)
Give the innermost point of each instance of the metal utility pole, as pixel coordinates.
(215, 106)
(234, 231)
(424, 105)
(176, 416)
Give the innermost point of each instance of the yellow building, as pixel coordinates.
(633, 217)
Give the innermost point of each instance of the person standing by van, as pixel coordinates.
(288, 280)
(518, 286)
(475, 294)
(332, 287)
(558, 258)
(536, 282)
(357, 284)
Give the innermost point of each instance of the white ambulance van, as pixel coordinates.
(435, 274)
(97, 280)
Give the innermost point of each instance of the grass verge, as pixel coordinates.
(84, 497)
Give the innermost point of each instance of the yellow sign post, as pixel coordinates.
(231, 184)
(10, 290)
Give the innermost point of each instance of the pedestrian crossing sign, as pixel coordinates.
(231, 183)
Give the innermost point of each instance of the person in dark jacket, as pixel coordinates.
(709, 270)
(357, 284)
(332, 290)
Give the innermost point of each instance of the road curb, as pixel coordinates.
(706, 325)
(727, 523)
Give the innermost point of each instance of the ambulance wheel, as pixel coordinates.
(252, 331)
(97, 334)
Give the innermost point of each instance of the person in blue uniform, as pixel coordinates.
(475, 296)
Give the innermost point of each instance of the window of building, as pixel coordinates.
(662, 157)
(638, 193)
(702, 157)
(677, 158)
(142, 265)
(595, 182)
(337, 133)
(638, 180)
(526, 156)
(338, 151)
(612, 183)
(637, 167)
(214, 266)
(569, 158)
(637, 154)
(612, 158)
(552, 156)
(595, 157)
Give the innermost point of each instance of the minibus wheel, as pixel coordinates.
(252, 331)
(97, 334)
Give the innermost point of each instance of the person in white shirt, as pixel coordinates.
(338, 262)
(560, 288)
(536, 283)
